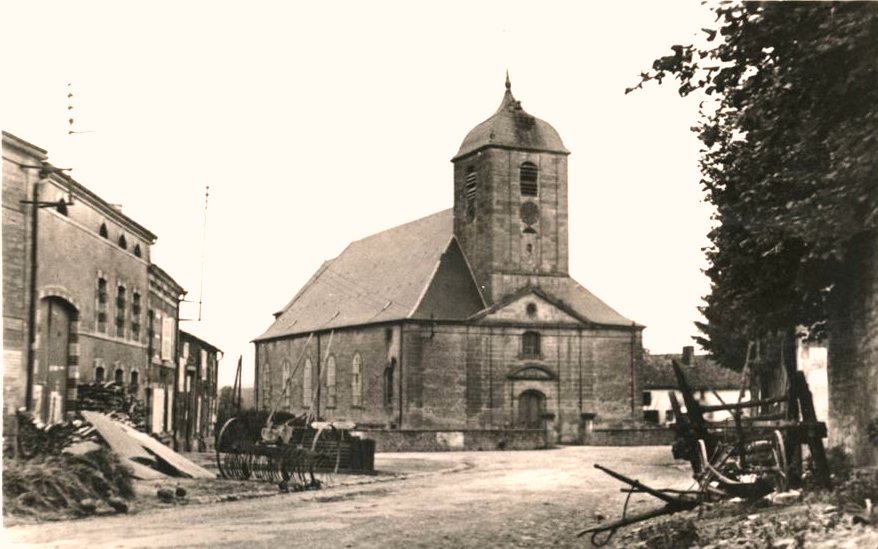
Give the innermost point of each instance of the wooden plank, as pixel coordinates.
(131, 453)
(184, 466)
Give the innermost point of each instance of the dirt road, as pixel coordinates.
(491, 499)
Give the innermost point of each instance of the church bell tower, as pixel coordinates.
(510, 200)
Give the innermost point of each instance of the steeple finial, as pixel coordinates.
(508, 83)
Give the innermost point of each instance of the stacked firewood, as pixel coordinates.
(114, 400)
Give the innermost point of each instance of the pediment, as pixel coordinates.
(532, 372)
(531, 308)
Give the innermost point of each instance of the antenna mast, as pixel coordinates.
(203, 250)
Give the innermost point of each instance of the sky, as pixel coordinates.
(318, 123)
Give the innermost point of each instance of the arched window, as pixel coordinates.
(137, 251)
(103, 231)
(530, 344)
(135, 378)
(357, 381)
(528, 175)
(287, 389)
(99, 374)
(307, 382)
(122, 242)
(266, 385)
(119, 376)
(470, 189)
(331, 388)
(388, 383)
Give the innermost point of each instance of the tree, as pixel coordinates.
(788, 126)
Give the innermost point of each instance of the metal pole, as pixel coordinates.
(32, 305)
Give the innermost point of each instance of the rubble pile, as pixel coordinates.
(113, 399)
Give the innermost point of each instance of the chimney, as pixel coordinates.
(688, 355)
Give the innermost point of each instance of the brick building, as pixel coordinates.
(96, 306)
(465, 319)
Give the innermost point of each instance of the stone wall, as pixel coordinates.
(424, 440)
(629, 437)
(853, 353)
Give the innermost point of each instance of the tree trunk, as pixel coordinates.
(853, 353)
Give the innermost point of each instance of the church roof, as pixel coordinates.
(379, 278)
(415, 270)
(512, 127)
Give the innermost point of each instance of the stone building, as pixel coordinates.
(95, 307)
(465, 319)
(197, 393)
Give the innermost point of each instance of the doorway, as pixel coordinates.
(54, 332)
(531, 407)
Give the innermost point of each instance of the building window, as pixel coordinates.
(307, 382)
(531, 308)
(137, 251)
(357, 381)
(528, 175)
(331, 387)
(388, 383)
(287, 389)
(99, 374)
(102, 305)
(651, 416)
(122, 242)
(121, 306)
(470, 189)
(135, 378)
(135, 315)
(168, 324)
(266, 386)
(119, 376)
(647, 398)
(669, 416)
(103, 231)
(530, 344)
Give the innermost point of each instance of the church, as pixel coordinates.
(466, 319)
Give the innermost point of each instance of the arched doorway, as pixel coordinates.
(531, 406)
(54, 329)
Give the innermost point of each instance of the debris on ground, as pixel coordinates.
(65, 485)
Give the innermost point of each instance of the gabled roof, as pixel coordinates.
(380, 278)
(703, 375)
(568, 296)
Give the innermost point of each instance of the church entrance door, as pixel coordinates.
(531, 406)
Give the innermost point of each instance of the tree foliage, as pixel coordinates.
(789, 158)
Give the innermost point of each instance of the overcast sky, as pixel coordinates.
(319, 123)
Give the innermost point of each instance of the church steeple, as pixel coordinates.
(510, 191)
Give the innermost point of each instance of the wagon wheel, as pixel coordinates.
(230, 445)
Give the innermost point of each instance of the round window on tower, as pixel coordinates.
(530, 213)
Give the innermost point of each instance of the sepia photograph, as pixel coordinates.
(440, 274)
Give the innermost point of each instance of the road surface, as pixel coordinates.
(484, 499)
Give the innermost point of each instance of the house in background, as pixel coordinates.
(711, 383)
(197, 393)
(466, 319)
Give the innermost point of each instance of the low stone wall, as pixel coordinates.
(426, 440)
(629, 437)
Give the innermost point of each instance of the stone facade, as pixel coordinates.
(464, 321)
